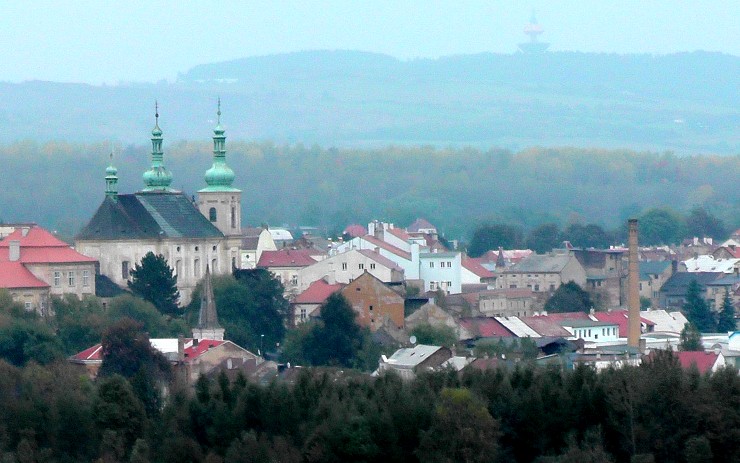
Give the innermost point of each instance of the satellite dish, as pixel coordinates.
(412, 339)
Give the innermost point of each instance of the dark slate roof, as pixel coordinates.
(655, 267)
(541, 263)
(679, 282)
(148, 216)
(104, 287)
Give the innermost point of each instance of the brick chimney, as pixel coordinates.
(633, 338)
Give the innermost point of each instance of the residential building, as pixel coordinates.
(653, 276)
(592, 331)
(349, 265)
(285, 265)
(306, 303)
(374, 302)
(506, 302)
(673, 292)
(408, 362)
(606, 273)
(543, 273)
(254, 242)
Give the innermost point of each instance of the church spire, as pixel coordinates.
(220, 176)
(157, 178)
(208, 326)
(111, 179)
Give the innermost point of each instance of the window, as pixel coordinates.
(214, 265)
(344, 265)
(512, 286)
(361, 266)
(431, 264)
(294, 280)
(178, 267)
(372, 266)
(57, 278)
(28, 306)
(552, 287)
(432, 285)
(233, 217)
(125, 270)
(449, 284)
(371, 308)
(71, 278)
(212, 215)
(303, 314)
(86, 278)
(536, 287)
(196, 268)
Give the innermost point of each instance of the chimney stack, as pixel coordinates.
(633, 338)
(14, 251)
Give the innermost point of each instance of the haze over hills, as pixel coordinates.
(686, 103)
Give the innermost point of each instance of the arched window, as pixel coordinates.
(212, 214)
(233, 217)
(214, 266)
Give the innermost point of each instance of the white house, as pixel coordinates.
(348, 265)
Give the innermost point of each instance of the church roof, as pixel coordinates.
(148, 216)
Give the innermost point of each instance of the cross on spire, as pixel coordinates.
(218, 113)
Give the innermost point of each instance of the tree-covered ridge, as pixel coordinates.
(456, 189)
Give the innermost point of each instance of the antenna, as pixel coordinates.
(412, 339)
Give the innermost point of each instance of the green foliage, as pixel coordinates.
(690, 339)
(79, 324)
(249, 305)
(726, 319)
(117, 410)
(569, 297)
(25, 336)
(645, 303)
(587, 236)
(153, 280)
(543, 238)
(700, 222)
(434, 335)
(697, 310)
(493, 236)
(661, 226)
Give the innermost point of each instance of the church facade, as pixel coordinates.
(191, 236)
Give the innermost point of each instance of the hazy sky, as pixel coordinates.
(148, 40)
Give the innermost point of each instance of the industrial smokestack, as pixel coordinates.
(633, 338)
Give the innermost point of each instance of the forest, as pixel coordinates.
(457, 189)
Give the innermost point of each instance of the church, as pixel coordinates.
(192, 236)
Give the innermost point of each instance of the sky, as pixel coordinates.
(149, 40)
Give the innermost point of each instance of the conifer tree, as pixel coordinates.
(726, 318)
(690, 339)
(697, 310)
(153, 280)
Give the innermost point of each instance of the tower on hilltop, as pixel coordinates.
(533, 30)
(219, 202)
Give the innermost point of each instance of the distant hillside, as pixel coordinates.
(687, 103)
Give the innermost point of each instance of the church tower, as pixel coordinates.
(111, 180)
(157, 178)
(208, 327)
(219, 202)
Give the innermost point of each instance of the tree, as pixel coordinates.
(569, 297)
(487, 237)
(661, 226)
(462, 430)
(543, 238)
(586, 236)
(701, 222)
(690, 339)
(434, 335)
(697, 310)
(117, 409)
(726, 318)
(153, 280)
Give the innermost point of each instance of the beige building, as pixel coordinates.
(543, 273)
(349, 265)
(374, 302)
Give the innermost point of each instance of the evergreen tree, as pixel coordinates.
(569, 297)
(153, 280)
(697, 310)
(726, 318)
(690, 339)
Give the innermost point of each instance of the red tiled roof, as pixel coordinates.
(43, 255)
(558, 317)
(355, 230)
(485, 327)
(475, 266)
(382, 260)
(286, 258)
(399, 233)
(16, 275)
(619, 317)
(91, 354)
(419, 224)
(704, 361)
(545, 326)
(388, 247)
(317, 292)
(36, 237)
(195, 351)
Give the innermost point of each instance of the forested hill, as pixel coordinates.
(456, 189)
(686, 103)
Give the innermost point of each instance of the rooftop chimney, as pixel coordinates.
(14, 253)
(633, 338)
(25, 230)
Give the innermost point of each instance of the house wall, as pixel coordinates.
(410, 267)
(59, 276)
(302, 312)
(228, 206)
(502, 306)
(441, 271)
(344, 268)
(372, 301)
(208, 361)
(32, 298)
(250, 257)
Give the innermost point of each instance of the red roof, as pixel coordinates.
(16, 275)
(475, 266)
(203, 346)
(704, 361)
(420, 224)
(619, 317)
(317, 292)
(485, 327)
(399, 233)
(91, 354)
(43, 255)
(355, 230)
(558, 317)
(388, 247)
(382, 260)
(36, 237)
(545, 326)
(287, 258)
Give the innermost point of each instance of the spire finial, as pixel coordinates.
(219, 111)
(156, 112)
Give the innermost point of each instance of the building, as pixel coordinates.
(373, 302)
(348, 266)
(408, 362)
(308, 301)
(254, 242)
(543, 273)
(653, 276)
(165, 221)
(672, 295)
(606, 274)
(208, 326)
(285, 265)
(34, 265)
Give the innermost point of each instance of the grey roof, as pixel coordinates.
(541, 263)
(679, 281)
(585, 323)
(148, 216)
(655, 267)
(412, 356)
(729, 280)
